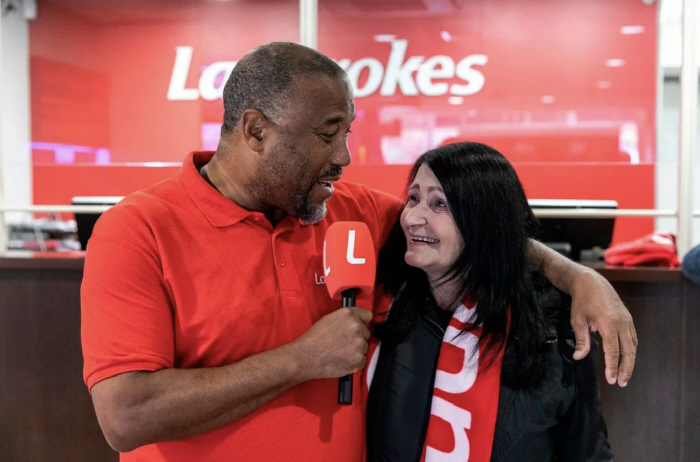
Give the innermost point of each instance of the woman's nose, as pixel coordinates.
(415, 215)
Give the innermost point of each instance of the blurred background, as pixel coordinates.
(101, 98)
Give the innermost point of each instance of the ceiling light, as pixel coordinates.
(384, 38)
(455, 100)
(547, 99)
(631, 30)
(446, 36)
(615, 62)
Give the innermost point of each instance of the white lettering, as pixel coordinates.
(463, 380)
(319, 279)
(372, 365)
(178, 79)
(474, 78)
(207, 82)
(400, 72)
(411, 76)
(350, 255)
(326, 269)
(437, 67)
(460, 420)
(374, 79)
(344, 64)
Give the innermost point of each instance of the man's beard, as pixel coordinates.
(266, 185)
(310, 213)
(307, 211)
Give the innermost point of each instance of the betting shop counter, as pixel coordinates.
(47, 415)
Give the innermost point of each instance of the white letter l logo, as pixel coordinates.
(351, 250)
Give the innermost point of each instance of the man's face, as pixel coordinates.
(307, 150)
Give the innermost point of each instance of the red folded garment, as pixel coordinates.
(655, 249)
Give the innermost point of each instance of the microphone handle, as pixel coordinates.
(345, 383)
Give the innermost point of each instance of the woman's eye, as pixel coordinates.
(412, 199)
(440, 204)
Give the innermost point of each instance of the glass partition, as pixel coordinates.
(121, 87)
(566, 90)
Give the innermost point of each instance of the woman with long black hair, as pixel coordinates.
(475, 360)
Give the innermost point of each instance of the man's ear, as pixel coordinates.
(253, 123)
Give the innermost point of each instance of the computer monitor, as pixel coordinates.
(571, 236)
(85, 222)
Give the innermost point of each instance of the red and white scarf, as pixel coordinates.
(465, 395)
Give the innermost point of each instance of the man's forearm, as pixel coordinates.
(559, 270)
(595, 306)
(140, 408)
(146, 407)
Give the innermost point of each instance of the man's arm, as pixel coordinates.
(137, 408)
(595, 307)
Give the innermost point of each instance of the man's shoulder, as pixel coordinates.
(358, 198)
(356, 202)
(144, 207)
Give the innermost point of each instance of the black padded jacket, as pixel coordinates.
(559, 419)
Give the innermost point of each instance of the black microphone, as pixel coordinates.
(350, 265)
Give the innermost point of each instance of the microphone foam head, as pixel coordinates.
(349, 261)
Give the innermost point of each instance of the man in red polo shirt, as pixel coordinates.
(207, 333)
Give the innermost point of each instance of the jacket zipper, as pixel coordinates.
(435, 324)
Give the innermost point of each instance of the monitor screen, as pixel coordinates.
(572, 236)
(85, 222)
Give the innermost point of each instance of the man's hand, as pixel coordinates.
(595, 307)
(137, 408)
(336, 345)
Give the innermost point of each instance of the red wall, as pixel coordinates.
(100, 82)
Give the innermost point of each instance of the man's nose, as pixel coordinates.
(342, 156)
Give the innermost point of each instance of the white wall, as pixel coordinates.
(667, 131)
(15, 136)
(667, 160)
(670, 19)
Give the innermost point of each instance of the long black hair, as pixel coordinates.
(491, 212)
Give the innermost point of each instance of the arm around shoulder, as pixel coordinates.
(596, 307)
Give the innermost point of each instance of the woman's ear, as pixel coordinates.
(252, 125)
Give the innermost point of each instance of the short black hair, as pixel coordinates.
(492, 214)
(262, 78)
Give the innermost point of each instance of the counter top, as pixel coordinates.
(22, 259)
(74, 261)
(637, 273)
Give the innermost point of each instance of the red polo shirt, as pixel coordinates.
(178, 276)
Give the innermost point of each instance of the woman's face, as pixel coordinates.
(432, 237)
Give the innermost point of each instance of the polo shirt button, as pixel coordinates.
(282, 262)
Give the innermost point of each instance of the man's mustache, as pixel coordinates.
(334, 171)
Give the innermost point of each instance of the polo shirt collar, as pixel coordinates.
(217, 208)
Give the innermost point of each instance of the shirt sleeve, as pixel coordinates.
(126, 314)
(388, 209)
